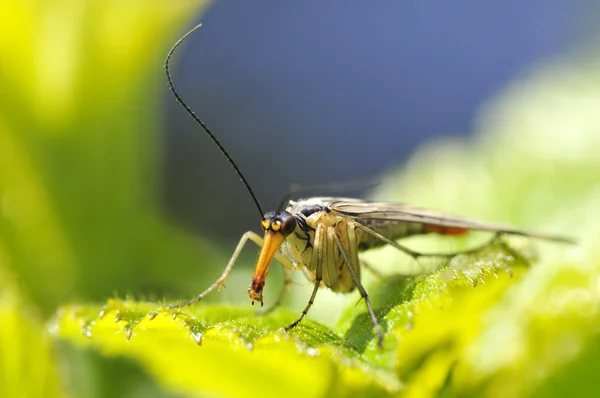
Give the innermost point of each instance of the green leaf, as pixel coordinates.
(79, 147)
(199, 349)
(218, 350)
(27, 359)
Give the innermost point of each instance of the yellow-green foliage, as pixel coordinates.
(466, 329)
(79, 221)
(27, 366)
(78, 143)
(204, 348)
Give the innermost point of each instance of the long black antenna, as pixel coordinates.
(200, 122)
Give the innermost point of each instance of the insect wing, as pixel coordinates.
(395, 212)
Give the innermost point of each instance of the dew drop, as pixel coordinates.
(313, 352)
(197, 338)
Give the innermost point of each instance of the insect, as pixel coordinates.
(323, 236)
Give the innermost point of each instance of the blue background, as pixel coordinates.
(319, 91)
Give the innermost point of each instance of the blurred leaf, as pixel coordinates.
(533, 163)
(79, 149)
(27, 364)
(201, 348)
(218, 350)
(79, 139)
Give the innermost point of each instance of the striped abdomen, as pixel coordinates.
(395, 230)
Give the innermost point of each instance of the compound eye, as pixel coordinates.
(288, 225)
(265, 224)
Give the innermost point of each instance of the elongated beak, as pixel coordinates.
(271, 243)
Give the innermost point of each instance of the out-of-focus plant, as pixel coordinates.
(28, 367)
(209, 345)
(78, 148)
(79, 158)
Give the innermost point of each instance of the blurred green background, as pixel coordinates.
(81, 166)
(80, 150)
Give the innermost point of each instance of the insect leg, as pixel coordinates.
(415, 254)
(412, 253)
(495, 239)
(286, 284)
(351, 233)
(220, 282)
(355, 278)
(317, 259)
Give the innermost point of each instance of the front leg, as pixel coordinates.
(254, 237)
(319, 251)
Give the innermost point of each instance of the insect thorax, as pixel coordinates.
(300, 245)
